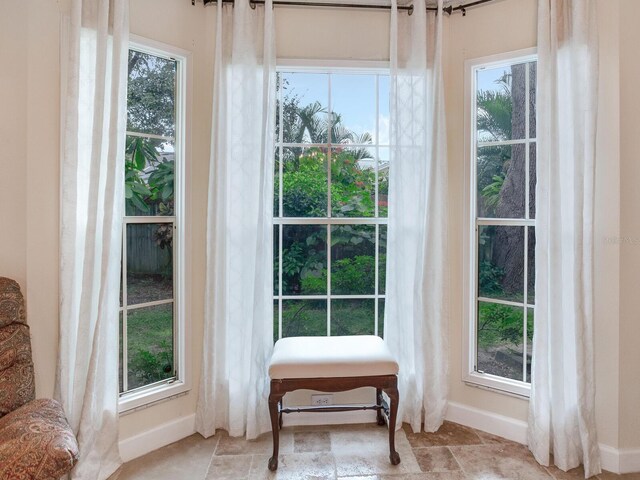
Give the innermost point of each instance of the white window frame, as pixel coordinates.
(355, 67)
(181, 383)
(470, 375)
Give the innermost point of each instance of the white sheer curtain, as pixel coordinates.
(238, 336)
(92, 177)
(561, 409)
(417, 255)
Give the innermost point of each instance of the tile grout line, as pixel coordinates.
(213, 454)
(464, 472)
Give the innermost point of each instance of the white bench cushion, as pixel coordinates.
(321, 357)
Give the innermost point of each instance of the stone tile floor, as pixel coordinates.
(348, 452)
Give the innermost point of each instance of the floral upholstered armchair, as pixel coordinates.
(36, 442)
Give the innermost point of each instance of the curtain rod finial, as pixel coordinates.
(410, 11)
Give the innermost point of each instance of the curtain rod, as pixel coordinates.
(409, 8)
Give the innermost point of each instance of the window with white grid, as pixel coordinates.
(330, 202)
(151, 298)
(501, 262)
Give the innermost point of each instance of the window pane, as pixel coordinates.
(276, 182)
(383, 181)
(353, 182)
(501, 103)
(276, 321)
(151, 99)
(353, 317)
(353, 105)
(384, 123)
(533, 77)
(149, 262)
(304, 318)
(305, 102)
(530, 316)
(501, 262)
(531, 267)
(501, 176)
(120, 356)
(276, 259)
(149, 176)
(382, 259)
(304, 260)
(381, 318)
(532, 180)
(500, 340)
(353, 259)
(150, 345)
(304, 182)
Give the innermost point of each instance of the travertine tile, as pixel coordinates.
(260, 446)
(295, 466)
(435, 459)
(497, 462)
(367, 439)
(229, 467)
(576, 473)
(368, 463)
(190, 456)
(448, 434)
(412, 476)
(311, 442)
(489, 439)
(613, 476)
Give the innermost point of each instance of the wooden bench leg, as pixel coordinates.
(274, 401)
(394, 397)
(380, 416)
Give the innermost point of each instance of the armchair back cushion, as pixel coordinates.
(17, 386)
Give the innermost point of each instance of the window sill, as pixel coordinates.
(497, 384)
(131, 402)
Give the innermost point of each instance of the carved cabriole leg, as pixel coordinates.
(380, 417)
(394, 397)
(274, 401)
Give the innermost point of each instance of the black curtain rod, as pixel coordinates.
(409, 8)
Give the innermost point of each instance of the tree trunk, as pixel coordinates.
(508, 245)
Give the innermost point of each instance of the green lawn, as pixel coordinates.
(150, 345)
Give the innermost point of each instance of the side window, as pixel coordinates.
(330, 203)
(152, 257)
(502, 230)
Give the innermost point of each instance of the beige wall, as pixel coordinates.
(29, 39)
(629, 225)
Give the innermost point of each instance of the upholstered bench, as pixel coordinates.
(333, 364)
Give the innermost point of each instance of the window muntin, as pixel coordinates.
(150, 313)
(330, 202)
(502, 238)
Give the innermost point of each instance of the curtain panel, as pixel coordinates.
(416, 315)
(238, 305)
(94, 86)
(561, 408)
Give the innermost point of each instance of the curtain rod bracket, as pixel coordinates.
(252, 4)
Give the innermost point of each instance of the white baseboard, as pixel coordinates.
(506, 427)
(158, 437)
(609, 458)
(629, 460)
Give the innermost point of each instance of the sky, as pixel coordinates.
(353, 96)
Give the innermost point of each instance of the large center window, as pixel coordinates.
(330, 202)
